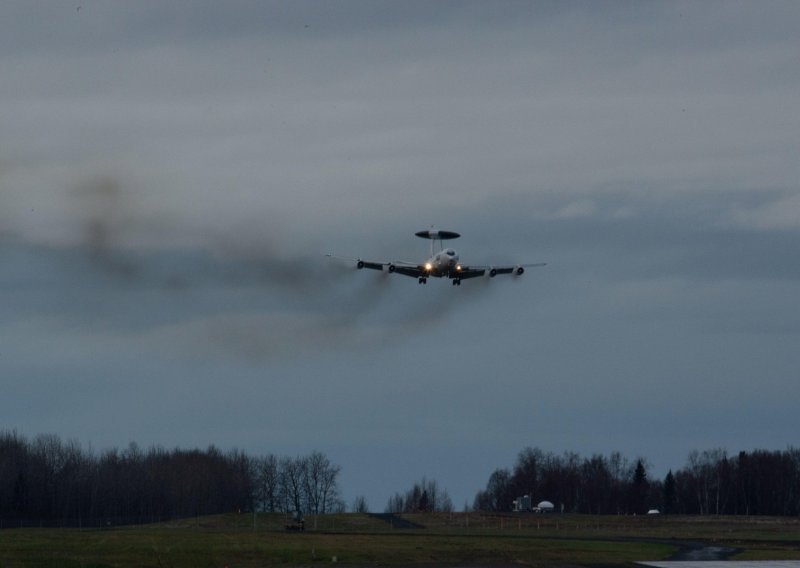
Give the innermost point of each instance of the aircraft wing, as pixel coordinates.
(494, 270)
(470, 272)
(400, 267)
(406, 269)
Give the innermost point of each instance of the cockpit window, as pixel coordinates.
(450, 252)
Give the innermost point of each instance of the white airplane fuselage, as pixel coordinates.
(443, 263)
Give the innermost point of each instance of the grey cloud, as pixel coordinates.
(119, 25)
(651, 233)
(171, 175)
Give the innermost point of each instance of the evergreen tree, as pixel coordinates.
(638, 489)
(669, 492)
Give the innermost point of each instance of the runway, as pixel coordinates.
(724, 564)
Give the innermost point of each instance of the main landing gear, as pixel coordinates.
(423, 280)
(456, 281)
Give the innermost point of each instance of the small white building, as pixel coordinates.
(522, 503)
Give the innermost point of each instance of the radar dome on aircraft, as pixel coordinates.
(437, 235)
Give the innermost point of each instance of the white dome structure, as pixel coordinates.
(545, 506)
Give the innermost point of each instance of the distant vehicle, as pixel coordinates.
(544, 507)
(653, 512)
(443, 263)
(296, 523)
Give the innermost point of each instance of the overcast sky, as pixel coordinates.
(171, 175)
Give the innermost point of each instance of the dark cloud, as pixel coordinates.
(171, 176)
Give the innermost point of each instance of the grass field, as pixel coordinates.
(360, 540)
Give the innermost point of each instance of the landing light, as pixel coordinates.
(428, 266)
(458, 268)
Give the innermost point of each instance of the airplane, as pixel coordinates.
(440, 264)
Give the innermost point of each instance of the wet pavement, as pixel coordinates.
(695, 552)
(701, 555)
(723, 564)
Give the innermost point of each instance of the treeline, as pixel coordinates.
(48, 479)
(760, 482)
(424, 497)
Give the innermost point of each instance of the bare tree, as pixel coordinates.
(292, 473)
(498, 495)
(395, 504)
(267, 482)
(360, 505)
(319, 483)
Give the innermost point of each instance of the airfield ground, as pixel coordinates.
(433, 540)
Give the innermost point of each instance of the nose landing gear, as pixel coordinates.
(423, 280)
(456, 281)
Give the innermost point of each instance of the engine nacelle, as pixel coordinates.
(520, 271)
(360, 264)
(391, 268)
(493, 272)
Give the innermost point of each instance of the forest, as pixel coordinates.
(758, 482)
(50, 481)
(54, 482)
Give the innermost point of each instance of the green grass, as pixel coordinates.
(359, 540)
